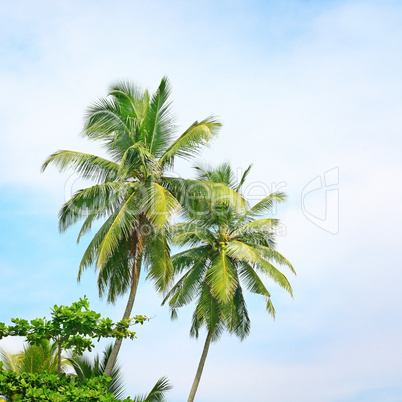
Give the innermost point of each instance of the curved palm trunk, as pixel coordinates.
(200, 367)
(127, 313)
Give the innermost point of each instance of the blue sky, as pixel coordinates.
(303, 88)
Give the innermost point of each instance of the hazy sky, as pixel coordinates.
(303, 88)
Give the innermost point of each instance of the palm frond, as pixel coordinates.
(85, 368)
(116, 386)
(243, 178)
(106, 240)
(252, 281)
(124, 221)
(158, 123)
(222, 174)
(189, 286)
(190, 142)
(274, 274)
(192, 195)
(191, 234)
(274, 255)
(240, 251)
(131, 98)
(175, 288)
(98, 200)
(187, 258)
(157, 394)
(263, 207)
(255, 285)
(159, 204)
(256, 226)
(114, 279)
(159, 262)
(139, 160)
(40, 358)
(10, 361)
(87, 225)
(87, 165)
(236, 315)
(34, 358)
(222, 278)
(208, 312)
(104, 120)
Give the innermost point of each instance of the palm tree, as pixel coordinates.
(227, 249)
(134, 195)
(42, 358)
(157, 393)
(85, 368)
(39, 358)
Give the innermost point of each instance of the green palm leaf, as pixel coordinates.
(274, 255)
(97, 200)
(191, 234)
(85, 368)
(242, 252)
(274, 274)
(158, 122)
(222, 277)
(104, 119)
(114, 279)
(37, 358)
(256, 226)
(160, 205)
(196, 195)
(208, 312)
(10, 361)
(188, 258)
(263, 207)
(254, 284)
(243, 178)
(108, 238)
(189, 285)
(157, 394)
(139, 160)
(119, 229)
(190, 142)
(236, 315)
(157, 258)
(134, 102)
(87, 165)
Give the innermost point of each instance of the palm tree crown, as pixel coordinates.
(137, 132)
(227, 249)
(38, 359)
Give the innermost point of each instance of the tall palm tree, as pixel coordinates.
(134, 194)
(39, 358)
(227, 249)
